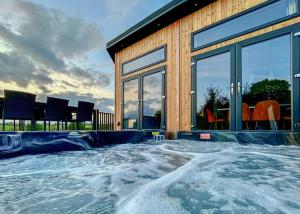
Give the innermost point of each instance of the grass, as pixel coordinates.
(39, 126)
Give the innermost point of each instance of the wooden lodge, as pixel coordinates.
(225, 65)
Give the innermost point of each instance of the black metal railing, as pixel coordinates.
(100, 121)
(103, 121)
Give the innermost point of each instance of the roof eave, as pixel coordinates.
(159, 19)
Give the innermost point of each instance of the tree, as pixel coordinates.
(275, 89)
(270, 87)
(214, 99)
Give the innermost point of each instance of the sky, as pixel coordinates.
(57, 47)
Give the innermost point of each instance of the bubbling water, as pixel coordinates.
(169, 177)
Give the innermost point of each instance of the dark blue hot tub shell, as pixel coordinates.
(26, 143)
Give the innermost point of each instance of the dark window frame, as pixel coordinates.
(149, 65)
(236, 76)
(140, 77)
(227, 49)
(295, 101)
(122, 103)
(163, 71)
(269, 2)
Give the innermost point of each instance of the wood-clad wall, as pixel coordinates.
(177, 37)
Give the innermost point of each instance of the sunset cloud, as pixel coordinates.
(39, 51)
(57, 48)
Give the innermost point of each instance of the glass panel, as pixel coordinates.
(266, 75)
(152, 93)
(213, 94)
(264, 15)
(149, 59)
(131, 104)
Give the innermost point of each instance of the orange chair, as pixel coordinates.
(246, 112)
(212, 119)
(268, 110)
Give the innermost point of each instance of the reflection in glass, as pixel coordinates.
(264, 15)
(146, 60)
(130, 104)
(266, 75)
(152, 105)
(213, 94)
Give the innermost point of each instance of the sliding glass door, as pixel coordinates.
(266, 87)
(130, 104)
(152, 100)
(144, 101)
(212, 85)
(252, 85)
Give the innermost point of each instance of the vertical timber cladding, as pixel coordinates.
(177, 37)
(168, 36)
(204, 17)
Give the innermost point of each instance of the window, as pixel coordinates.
(130, 104)
(251, 85)
(152, 100)
(213, 94)
(266, 84)
(154, 57)
(244, 23)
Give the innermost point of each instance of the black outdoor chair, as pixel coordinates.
(84, 113)
(55, 110)
(18, 106)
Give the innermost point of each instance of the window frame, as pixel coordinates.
(163, 71)
(227, 49)
(122, 103)
(236, 114)
(252, 9)
(295, 101)
(149, 65)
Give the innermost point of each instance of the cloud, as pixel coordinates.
(15, 67)
(90, 76)
(48, 32)
(121, 9)
(106, 105)
(46, 52)
(39, 51)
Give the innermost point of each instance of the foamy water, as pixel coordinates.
(172, 177)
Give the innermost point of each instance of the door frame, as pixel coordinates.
(232, 50)
(139, 77)
(295, 119)
(163, 71)
(236, 74)
(122, 103)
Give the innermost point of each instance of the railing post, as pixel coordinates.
(104, 121)
(101, 120)
(112, 122)
(94, 120)
(97, 119)
(109, 121)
